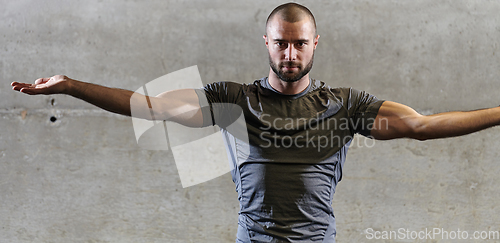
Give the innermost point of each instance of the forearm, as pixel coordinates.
(452, 124)
(111, 99)
(395, 120)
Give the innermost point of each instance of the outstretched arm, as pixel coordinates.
(181, 106)
(399, 121)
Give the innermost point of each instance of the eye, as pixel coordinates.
(301, 44)
(281, 44)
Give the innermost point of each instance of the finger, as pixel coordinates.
(15, 83)
(22, 84)
(18, 86)
(32, 90)
(28, 88)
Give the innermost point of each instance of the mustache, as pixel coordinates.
(289, 64)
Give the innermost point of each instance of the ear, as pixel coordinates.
(316, 42)
(267, 42)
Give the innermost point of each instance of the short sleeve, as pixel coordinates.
(217, 102)
(363, 109)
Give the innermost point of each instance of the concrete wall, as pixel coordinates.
(83, 178)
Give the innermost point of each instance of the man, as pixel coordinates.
(299, 129)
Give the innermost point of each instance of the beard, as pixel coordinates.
(284, 76)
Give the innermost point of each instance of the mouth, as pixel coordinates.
(290, 69)
(290, 66)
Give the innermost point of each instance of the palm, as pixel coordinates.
(50, 85)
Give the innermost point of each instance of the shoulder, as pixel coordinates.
(231, 92)
(257, 84)
(347, 95)
(223, 85)
(339, 92)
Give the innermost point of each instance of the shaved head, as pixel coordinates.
(291, 40)
(291, 12)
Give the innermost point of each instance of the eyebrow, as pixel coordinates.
(299, 40)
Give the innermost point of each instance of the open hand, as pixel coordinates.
(52, 85)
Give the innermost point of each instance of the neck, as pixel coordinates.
(288, 88)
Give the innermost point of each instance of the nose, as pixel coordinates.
(290, 53)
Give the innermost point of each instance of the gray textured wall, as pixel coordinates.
(83, 178)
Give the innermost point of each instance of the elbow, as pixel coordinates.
(421, 137)
(417, 129)
(162, 116)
